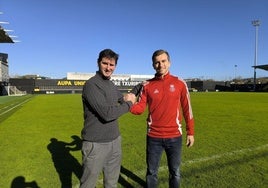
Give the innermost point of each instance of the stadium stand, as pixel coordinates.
(263, 67)
(4, 37)
(4, 73)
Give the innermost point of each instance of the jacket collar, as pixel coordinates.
(162, 77)
(101, 76)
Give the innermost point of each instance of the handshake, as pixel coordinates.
(130, 97)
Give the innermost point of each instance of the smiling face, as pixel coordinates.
(107, 66)
(161, 64)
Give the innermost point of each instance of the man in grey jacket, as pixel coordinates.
(103, 104)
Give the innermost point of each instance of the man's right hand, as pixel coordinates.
(130, 97)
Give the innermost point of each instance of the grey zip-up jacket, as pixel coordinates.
(103, 104)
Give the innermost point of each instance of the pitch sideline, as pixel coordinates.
(14, 107)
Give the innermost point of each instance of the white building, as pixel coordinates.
(118, 77)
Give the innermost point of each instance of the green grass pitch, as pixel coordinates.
(40, 147)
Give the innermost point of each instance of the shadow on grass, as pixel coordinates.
(19, 182)
(130, 175)
(66, 164)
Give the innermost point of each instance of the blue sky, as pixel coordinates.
(205, 38)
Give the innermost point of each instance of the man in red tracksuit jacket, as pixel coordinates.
(168, 102)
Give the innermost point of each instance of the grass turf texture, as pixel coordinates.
(231, 143)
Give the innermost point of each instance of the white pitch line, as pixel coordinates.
(204, 159)
(242, 151)
(14, 107)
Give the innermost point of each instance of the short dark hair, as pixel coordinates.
(159, 52)
(108, 53)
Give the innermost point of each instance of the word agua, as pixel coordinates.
(81, 83)
(70, 83)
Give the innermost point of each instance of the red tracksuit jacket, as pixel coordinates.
(168, 101)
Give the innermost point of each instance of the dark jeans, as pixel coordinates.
(155, 147)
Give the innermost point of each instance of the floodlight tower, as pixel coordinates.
(235, 66)
(256, 24)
